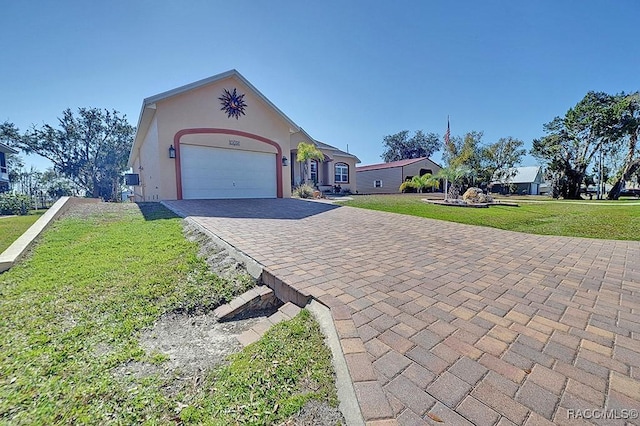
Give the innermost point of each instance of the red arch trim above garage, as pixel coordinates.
(199, 131)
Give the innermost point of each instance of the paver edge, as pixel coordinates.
(346, 393)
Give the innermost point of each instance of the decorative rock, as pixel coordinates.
(475, 195)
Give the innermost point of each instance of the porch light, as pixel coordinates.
(172, 152)
(285, 161)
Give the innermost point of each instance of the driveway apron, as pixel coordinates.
(443, 323)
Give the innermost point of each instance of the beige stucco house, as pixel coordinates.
(386, 178)
(221, 138)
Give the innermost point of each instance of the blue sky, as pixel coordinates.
(348, 72)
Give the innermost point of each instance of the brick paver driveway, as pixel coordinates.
(451, 324)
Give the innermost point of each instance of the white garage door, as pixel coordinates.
(226, 173)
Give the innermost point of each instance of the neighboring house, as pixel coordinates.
(527, 180)
(4, 171)
(386, 178)
(221, 138)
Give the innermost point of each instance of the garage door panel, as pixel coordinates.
(225, 173)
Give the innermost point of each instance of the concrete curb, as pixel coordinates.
(346, 393)
(15, 251)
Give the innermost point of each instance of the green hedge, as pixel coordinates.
(14, 204)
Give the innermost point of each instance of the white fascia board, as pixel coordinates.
(144, 121)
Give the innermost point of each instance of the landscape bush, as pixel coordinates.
(304, 191)
(14, 204)
(407, 186)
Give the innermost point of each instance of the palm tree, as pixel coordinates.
(306, 153)
(425, 181)
(455, 175)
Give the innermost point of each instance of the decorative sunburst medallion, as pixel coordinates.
(232, 103)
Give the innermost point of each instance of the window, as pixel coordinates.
(341, 173)
(3, 164)
(377, 184)
(313, 174)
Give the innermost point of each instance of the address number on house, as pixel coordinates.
(234, 143)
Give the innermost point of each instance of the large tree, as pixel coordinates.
(401, 147)
(625, 114)
(91, 148)
(483, 162)
(465, 154)
(500, 158)
(572, 141)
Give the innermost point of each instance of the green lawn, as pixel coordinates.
(598, 219)
(12, 227)
(72, 313)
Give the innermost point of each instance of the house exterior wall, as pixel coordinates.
(391, 180)
(326, 170)
(148, 166)
(4, 172)
(200, 109)
(522, 187)
(353, 175)
(516, 188)
(392, 177)
(414, 168)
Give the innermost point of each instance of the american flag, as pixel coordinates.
(447, 135)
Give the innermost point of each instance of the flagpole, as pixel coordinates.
(446, 183)
(447, 135)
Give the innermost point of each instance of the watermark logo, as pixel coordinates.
(603, 414)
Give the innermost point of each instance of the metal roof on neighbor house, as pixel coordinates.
(527, 174)
(392, 164)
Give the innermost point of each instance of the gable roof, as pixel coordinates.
(527, 174)
(392, 164)
(210, 80)
(148, 104)
(334, 150)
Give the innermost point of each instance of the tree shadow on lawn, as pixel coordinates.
(155, 211)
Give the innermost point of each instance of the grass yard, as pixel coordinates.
(72, 313)
(604, 220)
(12, 227)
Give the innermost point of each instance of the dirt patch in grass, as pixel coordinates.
(154, 366)
(185, 347)
(218, 258)
(317, 413)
